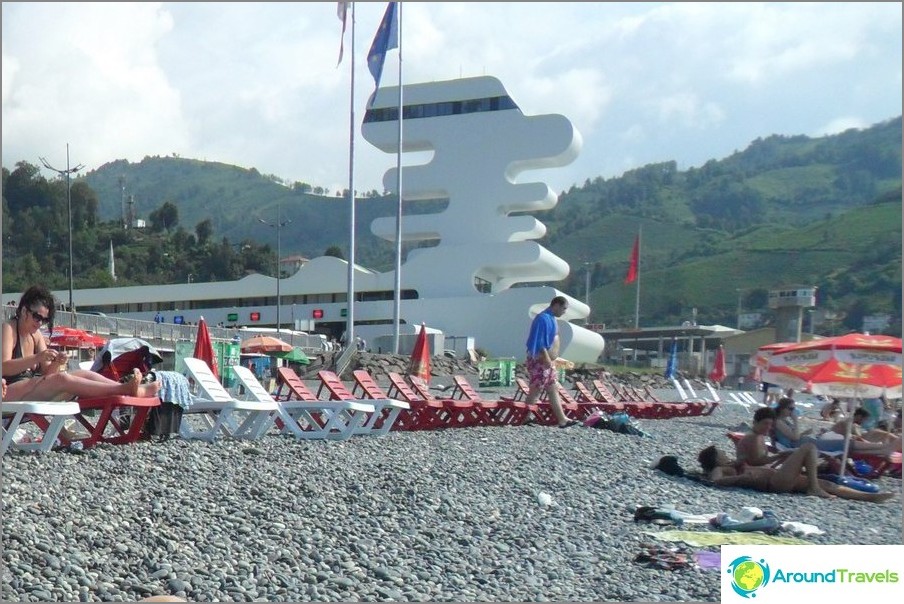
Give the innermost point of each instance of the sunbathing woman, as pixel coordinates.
(787, 478)
(874, 442)
(33, 372)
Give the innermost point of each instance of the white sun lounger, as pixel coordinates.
(308, 420)
(55, 415)
(219, 411)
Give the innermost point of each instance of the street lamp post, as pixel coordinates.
(587, 266)
(278, 225)
(68, 172)
(740, 291)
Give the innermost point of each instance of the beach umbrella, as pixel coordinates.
(70, 337)
(760, 360)
(265, 345)
(204, 347)
(852, 366)
(718, 372)
(671, 367)
(420, 356)
(296, 355)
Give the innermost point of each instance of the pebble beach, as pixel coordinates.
(513, 514)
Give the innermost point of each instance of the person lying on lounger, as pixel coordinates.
(787, 478)
(35, 372)
(876, 442)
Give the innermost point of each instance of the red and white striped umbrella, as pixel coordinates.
(854, 365)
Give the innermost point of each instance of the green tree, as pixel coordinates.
(334, 251)
(164, 218)
(204, 231)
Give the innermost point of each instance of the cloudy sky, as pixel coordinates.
(256, 84)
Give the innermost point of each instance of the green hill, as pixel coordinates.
(786, 210)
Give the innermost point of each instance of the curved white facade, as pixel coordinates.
(480, 142)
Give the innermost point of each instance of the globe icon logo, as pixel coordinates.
(748, 575)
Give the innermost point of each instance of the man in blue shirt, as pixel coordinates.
(542, 350)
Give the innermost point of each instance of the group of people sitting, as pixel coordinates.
(791, 464)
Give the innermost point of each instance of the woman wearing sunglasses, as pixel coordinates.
(33, 372)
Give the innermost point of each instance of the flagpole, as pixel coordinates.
(637, 299)
(397, 301)
(350, 313)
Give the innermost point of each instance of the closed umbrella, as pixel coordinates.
(420, 356)
(671, 368)
(204, 347)
(718, 372)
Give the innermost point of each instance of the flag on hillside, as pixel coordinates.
(342, 12)
(631, 277)
(387, 37)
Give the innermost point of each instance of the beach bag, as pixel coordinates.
(121, 355)
(163, 420)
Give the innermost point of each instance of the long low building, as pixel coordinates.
(472, 281)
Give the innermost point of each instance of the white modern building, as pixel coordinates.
(475, 279)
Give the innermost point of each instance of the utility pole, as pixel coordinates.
(68, 172)
(278, 225)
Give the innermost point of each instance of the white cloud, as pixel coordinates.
(256, 84)
(841, 124)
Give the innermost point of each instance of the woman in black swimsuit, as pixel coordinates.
(33, 372)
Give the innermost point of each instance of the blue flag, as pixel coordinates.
(671, 368)
(387, 37)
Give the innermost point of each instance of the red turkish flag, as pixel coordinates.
(631, 277)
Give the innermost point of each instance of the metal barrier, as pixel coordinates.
(164, 335)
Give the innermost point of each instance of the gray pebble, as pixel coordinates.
(448, 515)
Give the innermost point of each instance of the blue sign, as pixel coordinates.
(179, 320)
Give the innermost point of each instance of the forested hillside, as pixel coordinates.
(786, 210)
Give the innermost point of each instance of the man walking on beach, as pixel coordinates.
(542, 350)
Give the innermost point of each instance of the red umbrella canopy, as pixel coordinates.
(852, 365)
(204, 347)
(70, 337)
(718, 373)
(264, 345)
(761, 359)
(420, 356)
